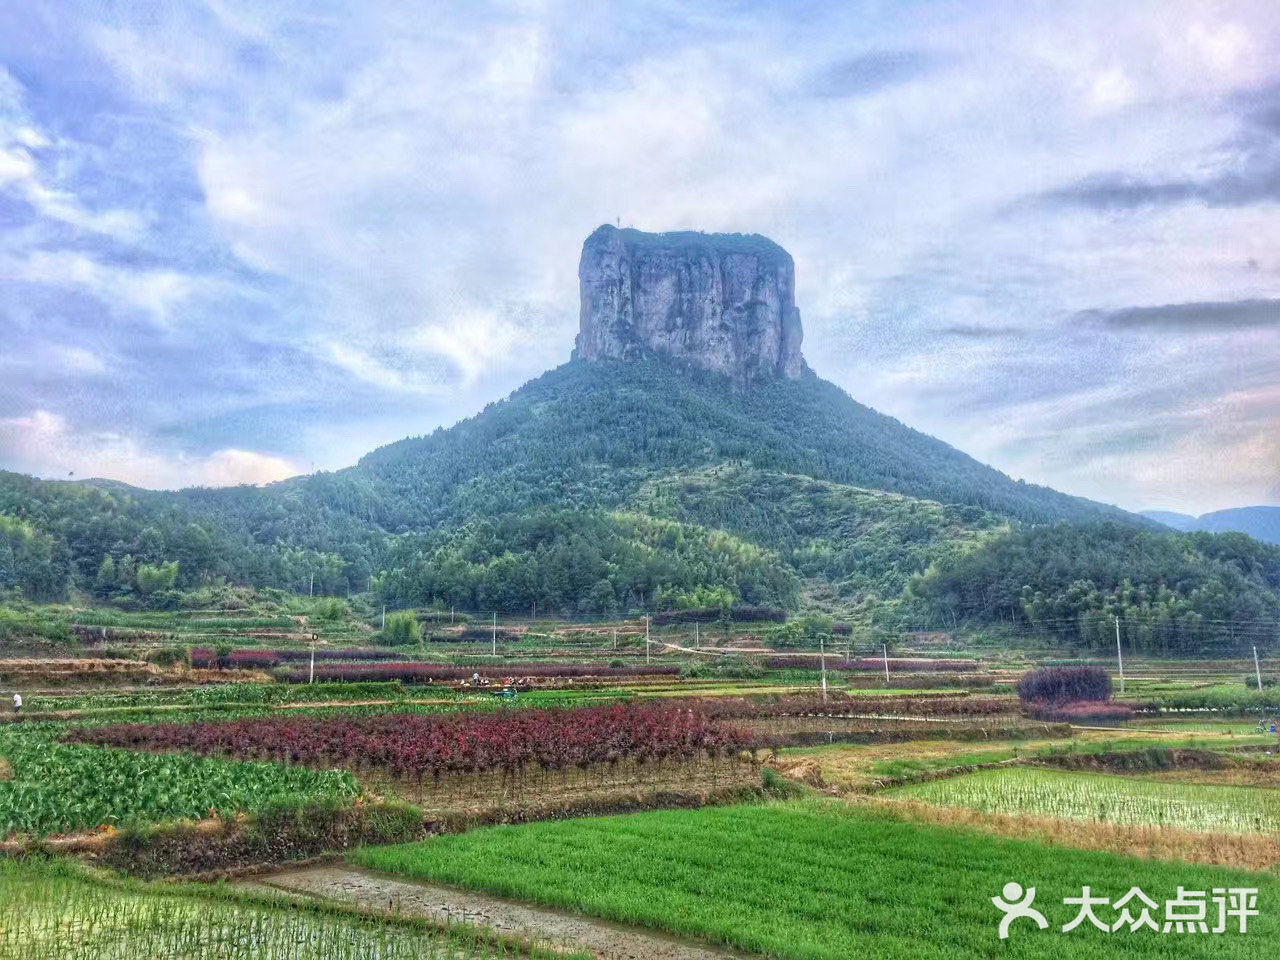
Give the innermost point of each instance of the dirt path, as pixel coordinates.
(604, 940)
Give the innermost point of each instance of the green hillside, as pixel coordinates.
(851, 545)
(1173, 592)
(602, 487)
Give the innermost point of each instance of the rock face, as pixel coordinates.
(723, 302)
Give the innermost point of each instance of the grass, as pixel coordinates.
(820, 880)
(47, 910)
(1106, 799)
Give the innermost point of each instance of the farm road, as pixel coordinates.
(603, 939)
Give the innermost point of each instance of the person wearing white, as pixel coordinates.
(17, 703)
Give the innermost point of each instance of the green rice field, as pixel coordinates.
(1130, 801)
(821, 880)
(46, 911)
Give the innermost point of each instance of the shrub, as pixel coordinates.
(331, 609)
(168, 656)
(1062, 684)
(401, 629)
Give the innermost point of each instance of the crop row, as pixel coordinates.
(868, 663)
(55, 788)
(1106, 799)
(1084, 711)
(49, 912)
(205, 657)
(432, 672)
(801, 705)
(415, 746)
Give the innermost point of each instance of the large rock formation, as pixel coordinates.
(719, 301)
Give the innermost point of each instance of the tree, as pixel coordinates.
(153, 577)
(402, 629)
(105, 581)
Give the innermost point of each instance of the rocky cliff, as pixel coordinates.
(721, 302)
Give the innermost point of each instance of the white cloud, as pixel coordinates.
(158, 293)
(421, 186)
(80, 360)
(44, 442)
(22, 175)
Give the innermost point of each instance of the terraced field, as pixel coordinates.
(1132, 801)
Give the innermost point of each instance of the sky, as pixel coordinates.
(242, 240)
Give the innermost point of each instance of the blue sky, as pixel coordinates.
(242, 239)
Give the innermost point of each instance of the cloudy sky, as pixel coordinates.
(240, 239)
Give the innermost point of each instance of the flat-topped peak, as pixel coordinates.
(719, 301)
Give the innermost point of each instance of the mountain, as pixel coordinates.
(608, 440)
(686, 455)
(1261, 523)
(723, 302)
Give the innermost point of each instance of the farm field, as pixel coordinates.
(817, 880)
(1129, 801)
(46, 910)
(236, 764)
(854, 768)
(55, 788)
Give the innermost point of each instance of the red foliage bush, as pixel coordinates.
(869, 663)
(406, 670)
(800, 705)
(1064, 684)
(1083, 711)
(418, 745)
(414, 672)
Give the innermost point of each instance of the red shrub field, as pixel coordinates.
(205, 657)
(1083, 711)
(418, 746)
(838, 704)
(355, 665)
(1065, 684)
(414, 672)
(868, 663)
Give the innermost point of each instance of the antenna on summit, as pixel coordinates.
(618, 221)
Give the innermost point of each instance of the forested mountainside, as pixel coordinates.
(1172, 592)
(1261, 523)
(58, 535)
(582, 437)
(612, 486)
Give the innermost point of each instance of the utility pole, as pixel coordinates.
(451, 615)
(1119, 655)
(646, 639)
(384, 616)
(312, 677)
(311, 589)
(615, 638)
(697, 635)
(822, 652)
(495, 634)
(1257, 671)
(886, 664)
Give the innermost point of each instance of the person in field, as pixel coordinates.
(17, 703)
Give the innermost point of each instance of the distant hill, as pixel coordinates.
(1261, 523)
(829, 488)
